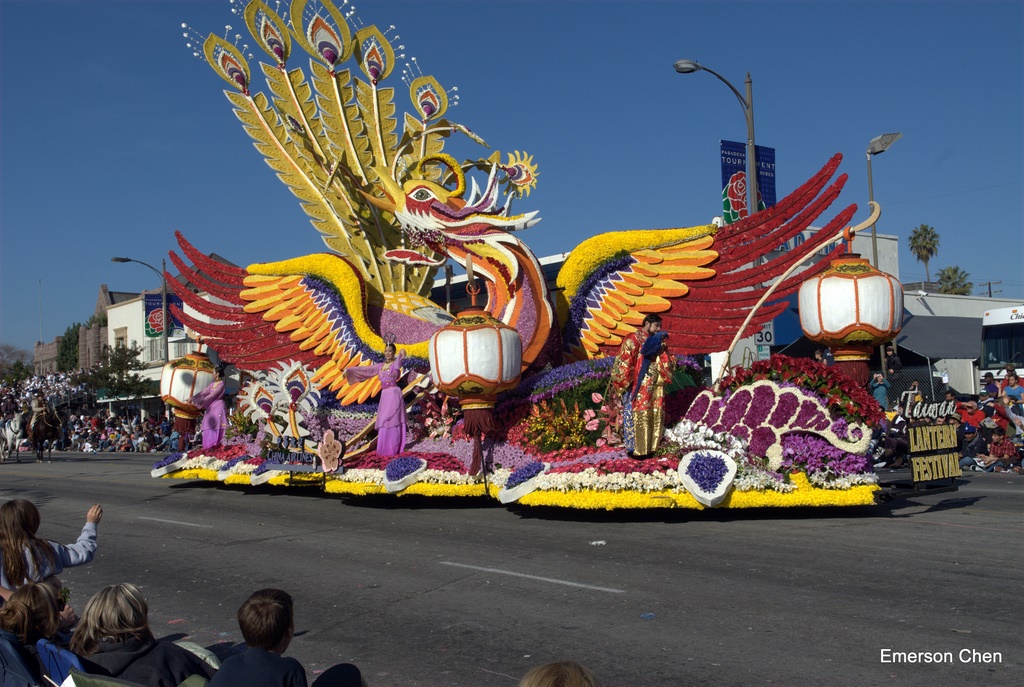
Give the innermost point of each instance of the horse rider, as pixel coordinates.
(8, 407)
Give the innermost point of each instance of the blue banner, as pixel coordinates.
(155, 316)
(734, 179)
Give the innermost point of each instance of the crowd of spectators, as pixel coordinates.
(989, 428)
(85, 427)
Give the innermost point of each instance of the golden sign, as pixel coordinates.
(942, 466)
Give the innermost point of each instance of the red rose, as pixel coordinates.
(737, 193)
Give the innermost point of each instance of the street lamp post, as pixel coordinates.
(747, 103)
(163, 298)
(877, 146)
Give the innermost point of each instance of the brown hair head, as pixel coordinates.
(266, 618)
(20, 548)
(31, 613)
(560, 674)
(116, 613)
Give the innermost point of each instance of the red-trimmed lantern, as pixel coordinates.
(182, 379)
(474, 358)
(851, 308)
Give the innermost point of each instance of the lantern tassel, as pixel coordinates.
(478, 422)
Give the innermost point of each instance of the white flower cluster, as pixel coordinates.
(447, 477)
(201, 462)
(694, 436)
(366, 475)
(499, 477)
(243, 468)
(750, 478)
(616, 481)
(826, 480)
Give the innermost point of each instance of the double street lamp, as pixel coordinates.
(163, 298)
(747, 103)
(877, 146)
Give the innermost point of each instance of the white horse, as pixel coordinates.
(10, 437)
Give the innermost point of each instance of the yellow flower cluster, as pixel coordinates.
(297, 479)
(803, 495)
(238, 479)
(196, 473)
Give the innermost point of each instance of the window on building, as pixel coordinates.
(121, 337)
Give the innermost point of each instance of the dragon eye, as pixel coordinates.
(422, 194)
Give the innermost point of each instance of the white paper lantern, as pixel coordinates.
(475, 357)
(182, 379)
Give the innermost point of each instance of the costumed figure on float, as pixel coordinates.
(391, 422)
(215, 418)
(641, 370)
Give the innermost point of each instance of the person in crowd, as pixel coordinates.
(1010, 369)
(825, 357)
(988, 383)
(32, 613)
(1002, 454)
(24, 557)
(391, 420)
(560, 674)
(971, 414)
(892, 361)
(896, 444)
(879, 387)
(215, 420)
(268, 625)
(640, 373)
(1013, 390)
(114, 639)
(973, 448)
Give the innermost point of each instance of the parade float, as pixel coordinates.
(510, 401)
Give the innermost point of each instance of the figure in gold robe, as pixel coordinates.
(641, 370)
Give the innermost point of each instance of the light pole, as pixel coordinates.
(689, 67)
(163, 297)
(877, 146)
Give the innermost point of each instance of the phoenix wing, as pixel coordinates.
(703, 281)
(312, 310)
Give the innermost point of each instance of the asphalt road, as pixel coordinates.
(425, 592)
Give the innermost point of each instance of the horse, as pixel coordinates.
(44, 433)
(10, 437)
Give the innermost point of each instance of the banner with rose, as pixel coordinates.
(734, 179)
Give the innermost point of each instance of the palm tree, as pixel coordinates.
(954, 281)
(924, 244)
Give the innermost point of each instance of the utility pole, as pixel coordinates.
(989, 284)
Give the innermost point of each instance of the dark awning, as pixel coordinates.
(941, 337)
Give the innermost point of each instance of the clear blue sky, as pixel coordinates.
(113, 135)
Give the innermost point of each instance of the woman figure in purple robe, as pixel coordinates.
(391, 414)
(211, 399)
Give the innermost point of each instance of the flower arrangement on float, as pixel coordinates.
(787, 432)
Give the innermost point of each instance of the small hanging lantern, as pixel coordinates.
(851, 308)
(474, 358)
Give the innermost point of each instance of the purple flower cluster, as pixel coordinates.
(546, 385)
(524, 473)
(173, 458)
(814, 454)
(707, 470)
(401, 467)
(266, 466)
